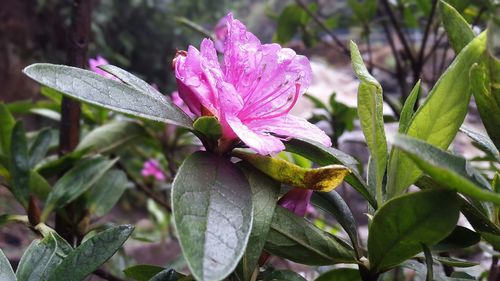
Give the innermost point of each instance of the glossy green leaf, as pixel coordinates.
(6, 272)
(340, 274)
(142, 272)
(476, 217)
(107, 138)
(403, 224)
(40, 146)
(93, 88)
(56, 166)
(106, 192)
(42, 257)
(294, 238)
(454, 262)
(91, 254)
(8, 122)
(407, 111)
(461, 237)
(265, 193)
(482, 141)
(487, 95)
(458, 30)
(437, 121)
(449, 170)
(19, 165)
(76, 182)
(371, 117)
(335, 205)
(39, 186)
(212, 208)
(328, 155)
(322, 179)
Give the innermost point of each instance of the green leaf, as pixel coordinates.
(93, 88)
(454, 262)
(19, 165)
(333, 204)
(212, 208)
(294, 238)
(340, 274)
(106, 192)
(482, 141)
(487, 95)
(460, 238)
(142, 272)
(40, 146)
(265, 193)
(91, 254)
(449, 170)
(168, 275)
(39, 185)
(407, 111)
(42, 257)
(371, 117)
(107, 138)
(328, 155)
(450, 95)
(209, 130)
(493, 239)
(289, 22)
(403, 224)
(134, 82)
(6, 272)
(8, 122)
(458, 30)
(322, 179)
(76, 182)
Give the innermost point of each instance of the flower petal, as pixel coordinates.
(198, 73)
(292, 126)
(296, 201)
(261, 143)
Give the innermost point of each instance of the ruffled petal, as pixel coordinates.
(261, 143)
(292, 126)
(198, 73)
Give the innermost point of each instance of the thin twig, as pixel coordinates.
(400, 33)
(420, 62)
(158, 199)
(343, 49)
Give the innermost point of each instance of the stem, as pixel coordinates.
(494, 272)
(69, 131)
(146, 190)
(421, 61)
(339, 45)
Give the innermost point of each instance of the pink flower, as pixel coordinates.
(251, 92)
(94, 63)
(152, 168)
(176, 99)
(220, 31)
(297, 201)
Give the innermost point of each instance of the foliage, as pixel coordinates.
(225, 203)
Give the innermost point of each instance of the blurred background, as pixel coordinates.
(402, 41)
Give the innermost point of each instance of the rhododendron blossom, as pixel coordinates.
(152, 168)
(252, 90)
(94, 63)
(297, 201)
